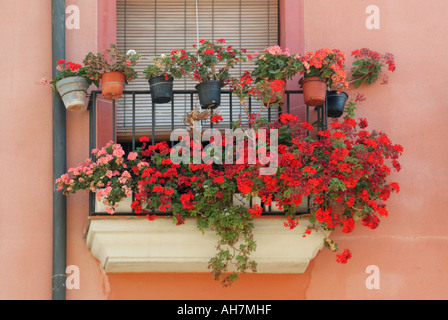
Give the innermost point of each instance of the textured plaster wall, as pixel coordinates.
(25, 154)
(409, 247)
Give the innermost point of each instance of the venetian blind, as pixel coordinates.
(155, 27)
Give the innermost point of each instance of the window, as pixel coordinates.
(155, 27)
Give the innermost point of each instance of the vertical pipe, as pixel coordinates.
(92, 143)
(59, 158)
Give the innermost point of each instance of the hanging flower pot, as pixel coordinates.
(314, 91)
(336, 103)
(278, 90)
(113, 84)
(161, 89)
(209, 94)
(73, 91)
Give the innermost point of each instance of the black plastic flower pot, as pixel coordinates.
(161, 89)
(336, 103)
(209, 94)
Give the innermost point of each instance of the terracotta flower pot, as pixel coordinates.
(314, 91)
(73, 91)
(113, 84)
(278, 88)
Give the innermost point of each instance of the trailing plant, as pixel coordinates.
(368, 66)
(202, 191)
(344, 170)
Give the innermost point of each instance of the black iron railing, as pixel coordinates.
(141, 100)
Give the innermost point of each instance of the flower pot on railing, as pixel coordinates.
(278, 88)
(314, 91)
(161, 89)
(209, 93)
(113, 85)
(73, 91)
(336, 103)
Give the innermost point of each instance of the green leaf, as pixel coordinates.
(330, 244)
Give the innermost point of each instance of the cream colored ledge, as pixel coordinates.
(134, 244)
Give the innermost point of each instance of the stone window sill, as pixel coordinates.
(134, 244)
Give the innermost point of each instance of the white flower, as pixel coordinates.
(131, 53)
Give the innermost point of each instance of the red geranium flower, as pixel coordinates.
(342, 258)
(216, 118)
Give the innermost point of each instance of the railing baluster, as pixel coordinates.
(231, 109)
(114, 121)
(133, 122)
(153, 123)
(172, 119)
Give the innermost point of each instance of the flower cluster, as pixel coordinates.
(212, 61)
(195, 190)
(341, 173)
(163, 65)
(276, 63)
(267, 92)
(110, 176)
(344, 171)
(326, 64)
(112, 60)
(67, 69)
(368, 65)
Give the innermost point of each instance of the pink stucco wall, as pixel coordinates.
(25, 156)
(409, 248)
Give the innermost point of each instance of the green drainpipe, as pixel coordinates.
(59, 158)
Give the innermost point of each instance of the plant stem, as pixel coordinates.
(356, 79)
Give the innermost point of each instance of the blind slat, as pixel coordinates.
(154, 27)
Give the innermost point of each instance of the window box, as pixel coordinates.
(134, 244)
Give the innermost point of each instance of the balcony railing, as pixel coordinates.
(161, 119)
